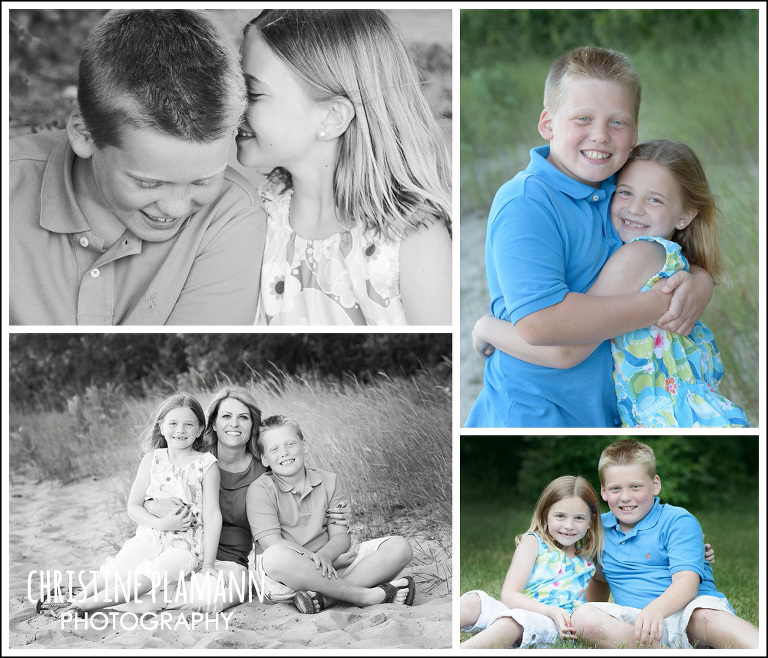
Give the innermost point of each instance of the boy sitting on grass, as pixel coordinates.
(653, 560)
(131, 215)
(304, 558)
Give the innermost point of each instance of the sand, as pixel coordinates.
(68, 527)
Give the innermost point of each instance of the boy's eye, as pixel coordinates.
(253, 96)
(653, 199)
(147, 185)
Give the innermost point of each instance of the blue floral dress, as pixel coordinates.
(349, 278)
(666, 380)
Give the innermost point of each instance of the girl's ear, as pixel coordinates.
(79, 137)
(337, 120)
(687, 217)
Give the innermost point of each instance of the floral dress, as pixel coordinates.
(349, 278)
(184, 482)
(666, 380)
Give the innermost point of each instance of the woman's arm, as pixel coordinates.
(425, 274)
(211, 515)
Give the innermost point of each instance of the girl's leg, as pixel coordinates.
(721, 630)
(501, 634)
(297, 572)
(469, 610)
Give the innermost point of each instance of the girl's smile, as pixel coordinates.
(568, 521)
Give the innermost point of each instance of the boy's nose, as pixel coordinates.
(175, 206)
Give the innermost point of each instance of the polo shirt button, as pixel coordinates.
(84, 242)
(595, 197)
(95, 273)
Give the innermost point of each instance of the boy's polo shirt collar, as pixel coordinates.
(59, 210)
(540, 166)
(311, 479)
(648, 521)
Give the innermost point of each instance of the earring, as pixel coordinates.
(321, 134)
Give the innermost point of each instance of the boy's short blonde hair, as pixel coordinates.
(590, 62)
(624, 452)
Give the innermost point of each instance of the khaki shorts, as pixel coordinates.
(273, 591)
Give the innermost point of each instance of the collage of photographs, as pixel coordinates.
(383, 331)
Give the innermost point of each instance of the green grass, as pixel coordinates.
(390, 441)
(704, 94)
(487, 541)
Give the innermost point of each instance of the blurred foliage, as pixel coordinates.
(46, 370)
(517, 34)
(695, 471)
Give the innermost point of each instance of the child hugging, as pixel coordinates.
(166, 548)
(665, 213)
(358, 187)
(548, 575)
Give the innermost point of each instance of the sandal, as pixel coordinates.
(53, 600)
(391, 591)
(307, 604)
(69, 613)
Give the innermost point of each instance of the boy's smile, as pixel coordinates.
(629, 492)
(152, 183)
(283, 451)
(591, 134)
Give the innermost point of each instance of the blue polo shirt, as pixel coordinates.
(639, 564)
(548, 234)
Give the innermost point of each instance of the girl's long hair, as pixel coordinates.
(590, 547)
(211, 439)
(151, 438)
(698, 240)
(393, 167)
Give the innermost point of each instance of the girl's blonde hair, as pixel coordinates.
(590, 547)
(590, 63)
(151, 437)
(698, 240)
(393, 167)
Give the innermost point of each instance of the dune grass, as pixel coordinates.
(487, 539)
(704, 94)
(390, 441)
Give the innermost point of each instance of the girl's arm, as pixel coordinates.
(139, 488)
(425, 274)
(211, 516)
(625, 272)
(517, 577)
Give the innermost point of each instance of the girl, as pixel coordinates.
(662, 208)
(357, 195)
(548, 575)
(172, 467)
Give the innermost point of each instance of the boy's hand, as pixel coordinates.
(323, 564)
(649, 627)
(345, 559)
(691, 293)
(481, 346)
(563, 622)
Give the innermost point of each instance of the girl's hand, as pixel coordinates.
(340, 515)
(482, 347)
(563, 621)
(180, 518)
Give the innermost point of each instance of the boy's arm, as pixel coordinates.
(692, 292)
(649, 623)
(211, 516)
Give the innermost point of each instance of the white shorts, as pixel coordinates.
(675, 635)
(274, 591)
(538, 630)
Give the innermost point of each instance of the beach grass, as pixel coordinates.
(704, 93)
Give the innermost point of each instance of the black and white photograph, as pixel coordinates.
(331, 531)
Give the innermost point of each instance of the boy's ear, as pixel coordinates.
(264, 461)
(545, 126)
(656, 488)
(337, 120)
(79, 137)
(603, 495)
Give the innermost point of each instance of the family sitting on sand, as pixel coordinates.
(206, 492)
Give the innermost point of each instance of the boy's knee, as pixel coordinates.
(277, 560)
(584, 618)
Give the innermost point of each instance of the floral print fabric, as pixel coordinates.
(558, 580)
(666, 380)
(350, 278)
(184, 482)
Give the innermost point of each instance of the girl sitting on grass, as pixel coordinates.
(548, 575)
(664, 210)
(358, 193)
(172, 467)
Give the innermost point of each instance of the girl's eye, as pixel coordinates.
(253, 96)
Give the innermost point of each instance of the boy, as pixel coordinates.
(304, 557)
(549, 233)
(663, 590)
(131, 216)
